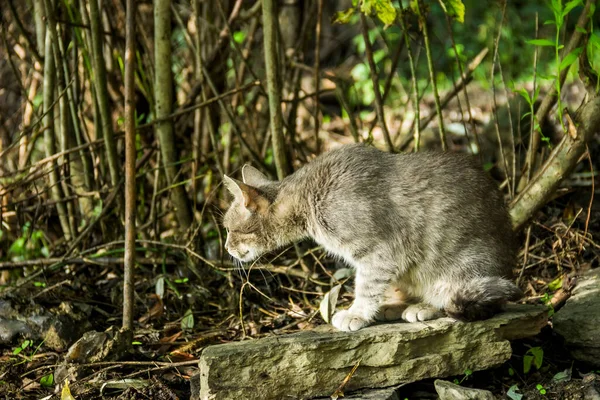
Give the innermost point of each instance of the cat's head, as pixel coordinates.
(250, 218)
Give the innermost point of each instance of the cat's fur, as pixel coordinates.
(431, 226)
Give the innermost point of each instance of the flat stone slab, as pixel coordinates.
(314, 363)
(579, 320)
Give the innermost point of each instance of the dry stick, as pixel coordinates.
(511, 137)
(221, 42)
(100, 142)
(496, 124)
(7, 265)
(100, 82)
(130, 153)
(551, 97)
(199, 113)
(468, 103)
(163, 95)
(436, 97)
(274, 86)
(413, 74)
(317, 78)
(559, 165)
(375, 79)
(530, 152)
(339, 90)
(23, 32)
(105, 209)
(75, 166)
(231, 119)
(465, 80)
(49, 136)
(388, 81)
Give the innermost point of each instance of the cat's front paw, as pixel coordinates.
(347, 321)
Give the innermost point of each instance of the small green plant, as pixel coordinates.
(560, 13)
(467, 374)
(47, 380)
(23, 350)
(30, 245)
(17, 350)
(540, 388)
(533, 357)
(547, 300)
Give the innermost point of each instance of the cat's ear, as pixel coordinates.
(254, 177)
(247, 195)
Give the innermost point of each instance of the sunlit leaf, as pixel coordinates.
(556, 284)
(454, 9)
(239, 36)
(66, 392)
(383, 8)
(344, 17)
(327, 306)
(570, 58)
(541, 42)
(571, 5)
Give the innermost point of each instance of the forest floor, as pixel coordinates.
(185, 303)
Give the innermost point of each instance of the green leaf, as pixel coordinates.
(383, 8)
(541, 42)
(187, 322)
(239, 36)
(595, 40)
(18, 247)
(556, 284)
(549, 22)
(580, 29)
(454, 9)
(571, 5)
(527, 361)
(512, 393)
(540, 388)
(535, 357)
(468, 372)
(570, 58)
(47, 380)
(343, 17)
(563, 376)
(524, 94)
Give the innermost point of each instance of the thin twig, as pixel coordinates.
(375, 79)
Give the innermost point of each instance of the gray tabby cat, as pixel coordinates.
(430, 227)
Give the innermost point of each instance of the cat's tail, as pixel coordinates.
(481, 298)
